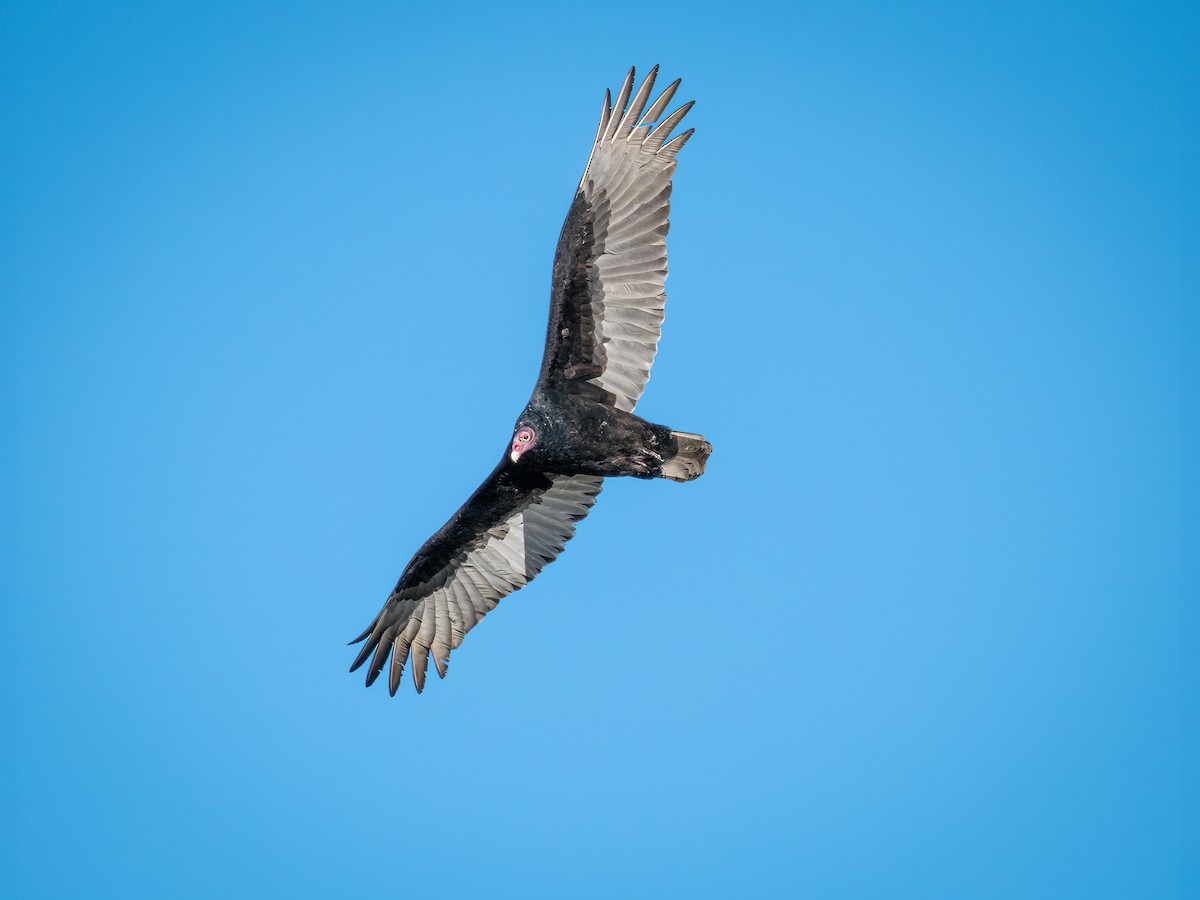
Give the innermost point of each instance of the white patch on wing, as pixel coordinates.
(512, 547)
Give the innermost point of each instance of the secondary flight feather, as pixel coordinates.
(607, 297)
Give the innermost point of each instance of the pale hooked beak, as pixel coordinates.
(517, 449)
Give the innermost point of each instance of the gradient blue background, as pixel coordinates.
(274, 286)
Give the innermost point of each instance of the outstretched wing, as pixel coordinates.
(501, 538)
(610, 268)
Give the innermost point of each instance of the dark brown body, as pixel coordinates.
(580, 434)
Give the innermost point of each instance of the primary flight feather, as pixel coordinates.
(606, 312)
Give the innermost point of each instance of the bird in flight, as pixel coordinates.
(606, 313)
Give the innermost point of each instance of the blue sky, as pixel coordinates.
(273, 284)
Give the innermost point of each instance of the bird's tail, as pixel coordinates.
(691, 453)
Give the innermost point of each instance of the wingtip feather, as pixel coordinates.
(660, 134)
(395, 674)
(618, 111)
(420, 663)
(673, 146)
(362, 656)
(657, 107)
(441, 660)
(633, 111)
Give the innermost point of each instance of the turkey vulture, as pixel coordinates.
(606, 312)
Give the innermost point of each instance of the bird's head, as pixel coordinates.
(535, 436)
(524, 440)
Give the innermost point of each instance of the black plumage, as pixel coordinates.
(606, 311)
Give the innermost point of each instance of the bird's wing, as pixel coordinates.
(501, 538)
(610, 268)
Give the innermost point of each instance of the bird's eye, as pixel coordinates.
(524, 437)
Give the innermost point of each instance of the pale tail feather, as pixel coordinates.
(688, 462)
